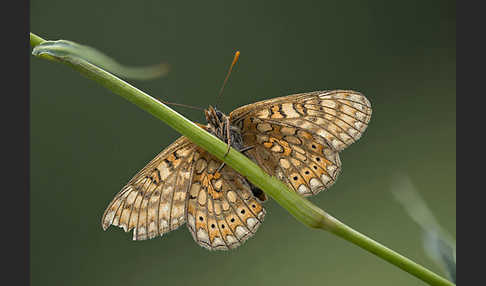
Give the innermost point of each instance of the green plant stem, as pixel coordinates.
(355, 237)
(302, 209)
(35, 40)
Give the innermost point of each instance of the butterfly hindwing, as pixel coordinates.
(307, 165)
(222, 212)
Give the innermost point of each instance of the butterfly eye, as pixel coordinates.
(219, 114)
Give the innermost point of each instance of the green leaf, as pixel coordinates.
(63, 49)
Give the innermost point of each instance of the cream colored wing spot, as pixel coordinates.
(264, 127)
(289, 111)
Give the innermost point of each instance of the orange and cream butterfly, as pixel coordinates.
(296, 138)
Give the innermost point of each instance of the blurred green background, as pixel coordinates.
(86, 143)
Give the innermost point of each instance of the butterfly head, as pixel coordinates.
(220, 126)
(214, 117)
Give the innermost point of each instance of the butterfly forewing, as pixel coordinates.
(153, 202)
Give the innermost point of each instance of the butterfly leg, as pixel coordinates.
(220, 167)
(228, 136)
(244, 149)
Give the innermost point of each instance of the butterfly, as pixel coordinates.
(296, 138)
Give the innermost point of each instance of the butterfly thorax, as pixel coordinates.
(219, 125)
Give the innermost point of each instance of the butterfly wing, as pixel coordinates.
(298, 137)
(222, 212)
(153, 201)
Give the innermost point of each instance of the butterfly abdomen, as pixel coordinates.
(257, 192)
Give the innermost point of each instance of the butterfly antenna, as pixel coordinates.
(235, 59)
(180, 104)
